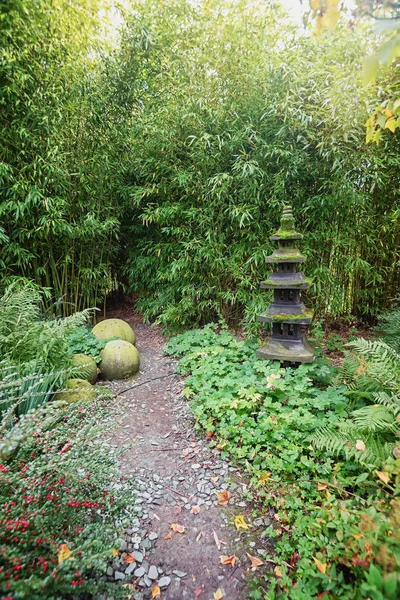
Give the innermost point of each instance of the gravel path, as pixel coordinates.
(177, 477)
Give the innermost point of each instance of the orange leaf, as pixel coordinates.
(195, 510)
(168, 536)
(177, 528)
(218, 595)
(128, 558)
(255, 562)
(278, 571)
(227, 560)
(64, 553)
(383, 476)
(209, 435)
(223, 497)
(221, 446)
(320, 566)
(156, 592)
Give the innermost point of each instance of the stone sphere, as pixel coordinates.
(119, 360)
(77, 389)
(114, 328)
(88, 365)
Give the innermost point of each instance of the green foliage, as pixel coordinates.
(336, 514)
(82, 341)
(389, 328)
(57, 491)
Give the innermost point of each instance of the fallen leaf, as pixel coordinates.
(217, 542)
(278, 571)
(359, 562)
(186, 452)
(240, 523)
(322, 486)
(64, 553)
(277, 517)
(209, 435)
(360, 445)
(128, 558)
(320, 566)
(255, 562)
(221, 446)
(218, 595)
(215, 479)
(223, 497)
(178, 528)
(115, 552)
(199, 536)
(198, 591)
(168, 536)
(383, 476)
(265, 477)
(227, 560)
(156, 592)
(195, 510)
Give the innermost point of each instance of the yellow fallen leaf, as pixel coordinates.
(278, 571)
(255, 562)
(383, 476)
(178, 528)
(227, 560)
(360, 445)
(156, 592)
(63, 553)
(168, 536)
(265, 477)
(195, 510)
(240, 523)
(215, 479)
(223, 497)
(115, 552)
(218, 595)
(320, 566)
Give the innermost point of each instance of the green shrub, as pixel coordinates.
(82, 341)
(59, 521)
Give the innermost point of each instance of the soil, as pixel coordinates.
(176, 470)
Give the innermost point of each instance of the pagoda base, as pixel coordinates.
(287, 351)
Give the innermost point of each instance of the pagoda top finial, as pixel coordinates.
(286, 230)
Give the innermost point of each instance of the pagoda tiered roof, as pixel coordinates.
(293, 315)
(286, 280)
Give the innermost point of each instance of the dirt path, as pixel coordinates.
(177, 477)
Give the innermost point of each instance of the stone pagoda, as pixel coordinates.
(288, 315)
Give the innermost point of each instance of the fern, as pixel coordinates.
(389, 328)
(369, 435)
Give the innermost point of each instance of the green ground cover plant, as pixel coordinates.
(336, 510)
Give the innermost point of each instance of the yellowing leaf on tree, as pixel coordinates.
(223, 497)
(240, 523)
(178, 528)
(218, 595)
(156, 592)
(227, 560)
(128, 558)
(320, 566)
(360, 445)
(278, 571)
(383, 476)
(255, 562)
(391, 124)
(64, 553)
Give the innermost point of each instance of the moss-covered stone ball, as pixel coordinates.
(119, 360)
(77, 389)
(88, 366)
(114, 328)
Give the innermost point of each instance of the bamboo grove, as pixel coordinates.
(158, 161)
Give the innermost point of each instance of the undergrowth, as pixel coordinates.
(336, 514)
